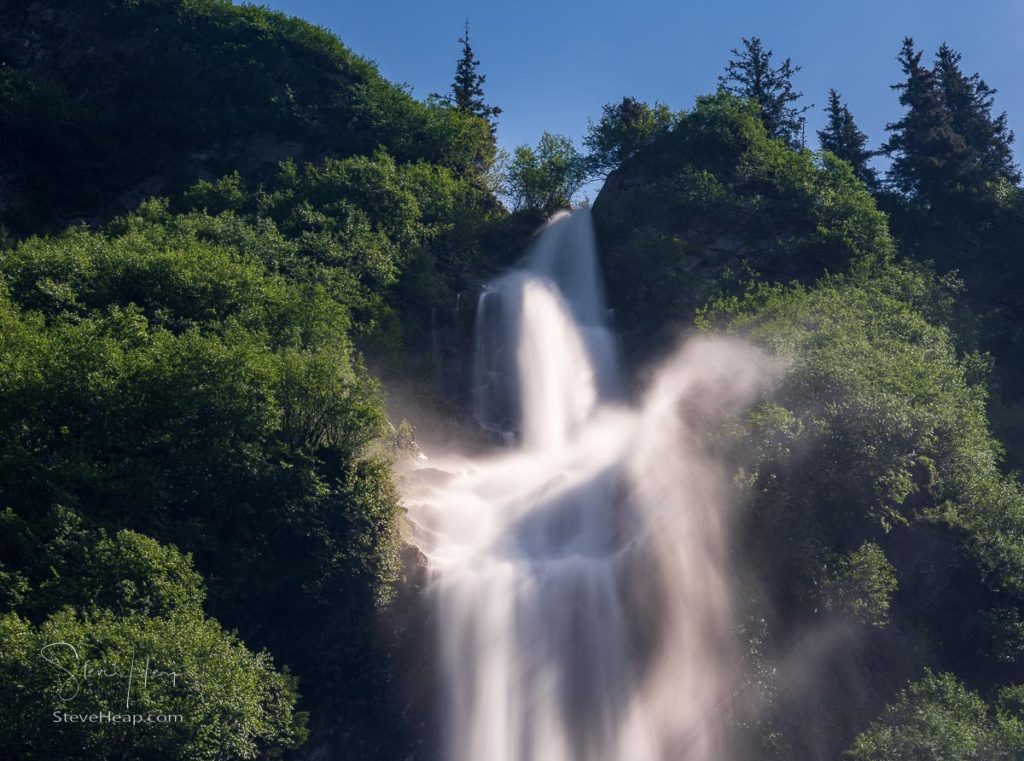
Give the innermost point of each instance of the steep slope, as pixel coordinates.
(714, 202)
(880, 536)
(105, 102)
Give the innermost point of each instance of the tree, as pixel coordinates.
(969, 101)
(468, 86)
(921, 144)
(948, 147)
(547, 177)
(625, 127)
(750, 74)
(938, 718)
(842, 138)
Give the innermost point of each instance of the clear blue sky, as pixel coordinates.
(550, 65)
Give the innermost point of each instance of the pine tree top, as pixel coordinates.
(468, 86)
(947, 146)
(750, 74)
(844, 139)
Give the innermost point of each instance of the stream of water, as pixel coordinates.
(579, 575)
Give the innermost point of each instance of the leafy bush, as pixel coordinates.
(878, 435)
(231, 702)
(394, 243)
(938, 719)
(546, 178)
(121, 631)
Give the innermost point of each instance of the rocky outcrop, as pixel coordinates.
(710, 204)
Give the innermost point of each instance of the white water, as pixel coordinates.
(579, 577)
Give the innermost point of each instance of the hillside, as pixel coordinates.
(878, 524)
(106, 103)
(232, 251)
(714, 203)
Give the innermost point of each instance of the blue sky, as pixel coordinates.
(551, 65)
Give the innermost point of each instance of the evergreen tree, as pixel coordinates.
(969, 101)
(750, 75)
(923, 145)
(842, 137)
(468, 87)
(948, 147)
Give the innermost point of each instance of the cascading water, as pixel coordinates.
(579, 578)
(544, 353)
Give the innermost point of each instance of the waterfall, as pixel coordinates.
(579, 576)
(544, 352)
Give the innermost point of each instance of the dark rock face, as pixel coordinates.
(408, 625)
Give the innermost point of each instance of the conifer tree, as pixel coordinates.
(969, 101)
(468, 86)
(842, 137)
(923, 145)
(948, 147)
(750, 75)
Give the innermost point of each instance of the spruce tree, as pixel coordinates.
(988, 139)
(750, 75)
(923, 145)
(842, 137)
(468, 87)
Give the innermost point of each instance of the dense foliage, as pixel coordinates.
(715, 199)
(195, 462)
(938, 719)
(91, 125)
(158, 380)
(874, 484)
(892, 430)
(185, 688)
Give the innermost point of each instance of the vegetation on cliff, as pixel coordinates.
(201, 244)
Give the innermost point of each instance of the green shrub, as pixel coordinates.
(231, 702)
(938, 719)
(878, 435)
(860, 585)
